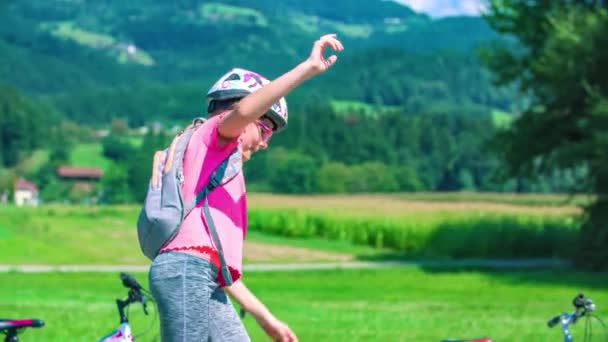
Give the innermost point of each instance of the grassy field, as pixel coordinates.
(397, 304)
(106, 235)
(351, 107)
(429, 227)
(389, 304)
(537, 200)
(70, 31)
(89, 155)
(218, 11)
(379, 224)
(400, 203)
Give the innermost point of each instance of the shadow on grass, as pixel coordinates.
(530, 251)
(515, 271)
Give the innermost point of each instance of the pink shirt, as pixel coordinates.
(227, 202)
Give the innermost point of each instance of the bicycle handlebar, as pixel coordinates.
(6, 324)
(136, 294)
(582, 307)
(129, 281)
(553, 321)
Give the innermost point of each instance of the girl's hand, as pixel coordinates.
(277, 330)
(317, 59)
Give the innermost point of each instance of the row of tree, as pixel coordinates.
(327, 152)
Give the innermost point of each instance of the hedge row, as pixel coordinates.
(451, 235)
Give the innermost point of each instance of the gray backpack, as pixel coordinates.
(164, 209)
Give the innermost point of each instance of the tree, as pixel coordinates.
(333, 177)
(139, 167)
(559, 64)
(24, 125)
(372, 177)
(292, 172)
(115, 185)
(117, 148)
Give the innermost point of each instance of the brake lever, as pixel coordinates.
(144, 304)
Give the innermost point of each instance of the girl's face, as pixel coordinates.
(256, 137)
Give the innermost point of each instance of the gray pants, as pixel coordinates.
(191, 305)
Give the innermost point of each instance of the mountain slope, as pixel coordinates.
(118, 54)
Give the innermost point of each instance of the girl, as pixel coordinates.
(245, 110)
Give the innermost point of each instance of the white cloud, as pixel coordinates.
(444, 8)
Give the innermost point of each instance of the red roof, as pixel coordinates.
(79, 172)
(22, 184)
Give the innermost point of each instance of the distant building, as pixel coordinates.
(26, 193)
(86, 174)
(392, 21)
(82, 182)
(131, 49)
(101, 133)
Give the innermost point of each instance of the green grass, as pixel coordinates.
(69, 235)
(306, 23)
(242, 15)
(351, 107)
(466, 234)
(345, 247)
(395, 304)
(34, 162)
(139, 57)
(350, 30)
(532, 200)
(107, 234)
(68, 30)
(89, 155)
(501, 119)
(395, 28)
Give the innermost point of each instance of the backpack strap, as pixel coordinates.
(224, 170)
(218, 244)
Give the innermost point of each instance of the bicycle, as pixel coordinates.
(583, 307)
(136, 294)
(474, 340)
(12, 327)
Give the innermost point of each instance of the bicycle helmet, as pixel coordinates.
(238, 83)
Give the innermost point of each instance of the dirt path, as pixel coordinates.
(255, 252)
(485, 264)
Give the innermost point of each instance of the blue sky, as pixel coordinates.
(443, 8)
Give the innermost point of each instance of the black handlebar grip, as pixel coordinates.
(129, 281)
(37, 323)
(553, 321)
(579, 301)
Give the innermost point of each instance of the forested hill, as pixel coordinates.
(407, 107)
(158, 57)
(181, 37)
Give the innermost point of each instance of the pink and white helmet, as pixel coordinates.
(238, 83)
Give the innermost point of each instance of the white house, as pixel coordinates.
(26, 193)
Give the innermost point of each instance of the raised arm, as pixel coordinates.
(253, 106)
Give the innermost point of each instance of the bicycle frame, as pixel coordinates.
(135, 295)
(122, 334)
(565, 320)
(475, 340)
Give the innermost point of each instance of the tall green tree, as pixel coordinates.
(560, 63)
(24, 125)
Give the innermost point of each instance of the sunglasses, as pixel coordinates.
(265, 131)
